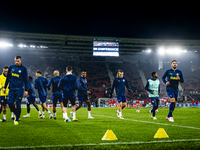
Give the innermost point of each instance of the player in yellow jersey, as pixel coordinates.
(4, 97)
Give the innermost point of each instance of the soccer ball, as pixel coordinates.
(156, 110)
(137, 111)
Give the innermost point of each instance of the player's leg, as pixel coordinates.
(4, 112)
(64, 109)
(72, 100)
(19, 95)
(89, 108)
(172, 106)
(119, 99)
(37, 108)
(54, 100)
(43, 101)
(80, 101)
(28, 111)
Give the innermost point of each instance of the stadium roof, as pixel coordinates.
(83, 45)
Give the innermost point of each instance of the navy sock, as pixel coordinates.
(18, 112)
(154, 111)
(171, 109)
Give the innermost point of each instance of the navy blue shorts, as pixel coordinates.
(172, 94)
(42, 99)
(81, 99)
(15, 95)
(31, 100)
(65, 101)
(121, 99)
(4, 100)
(154, 101)
(56, 99)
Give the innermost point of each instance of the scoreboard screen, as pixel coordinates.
(102, 48)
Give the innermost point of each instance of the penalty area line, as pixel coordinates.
(100, 144)
(151, 122)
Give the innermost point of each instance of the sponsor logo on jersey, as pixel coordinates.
(15, 75)
(173, 78)
(20, 71)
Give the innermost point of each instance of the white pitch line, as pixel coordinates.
(100, 144)
(151, 122)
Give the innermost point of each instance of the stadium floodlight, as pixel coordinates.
(32, 46)
(5, 44)
(149, 51)
(161, 51)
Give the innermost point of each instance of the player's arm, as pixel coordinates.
(181, 78)
(7, 80)
(159, 90)
(163, 78)
(1, 84)
(112, 88)
(25, 80)
(36, 84)
(147, 87)
(48, 87)
(80, 86)
(49, 84)
(60, 84)
(127, 86)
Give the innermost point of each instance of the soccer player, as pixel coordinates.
(174, 76)
(83, 93)
(119, 84)
(3, 97)
(17, 79)
(31, 98)
(68, 85)
(56, 92)
(153, 87)
(41, 86)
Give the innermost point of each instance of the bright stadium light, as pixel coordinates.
(149, 51)
(161, 51)
(5, 44)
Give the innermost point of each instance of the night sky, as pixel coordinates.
(134, 23)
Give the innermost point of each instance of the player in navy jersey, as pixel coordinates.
(119, 84)
(17, 79)
(83, 93)
(68, 85)
(31, 98)
(41, 86)
(56, 92)
(174, 76)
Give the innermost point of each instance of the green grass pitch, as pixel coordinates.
(136, 131)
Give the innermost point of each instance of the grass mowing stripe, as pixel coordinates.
(151, 122)
(99, 144)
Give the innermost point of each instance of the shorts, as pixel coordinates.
(15, 95)
(172, 94)
(65, 101)
(154, 101)
(81, 99)
(56, 99)
(4, 100)
(42, 99)
(121, 99)
(30, 100)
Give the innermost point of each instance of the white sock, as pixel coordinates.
(28, 114)
(12, 115)
(120, 114)
(43, 113)
(89, 113)
(4, 117)
(49, 112)
(54, 114)
(74, 114)
(39, 112)
(117, 111)
(65, 115)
